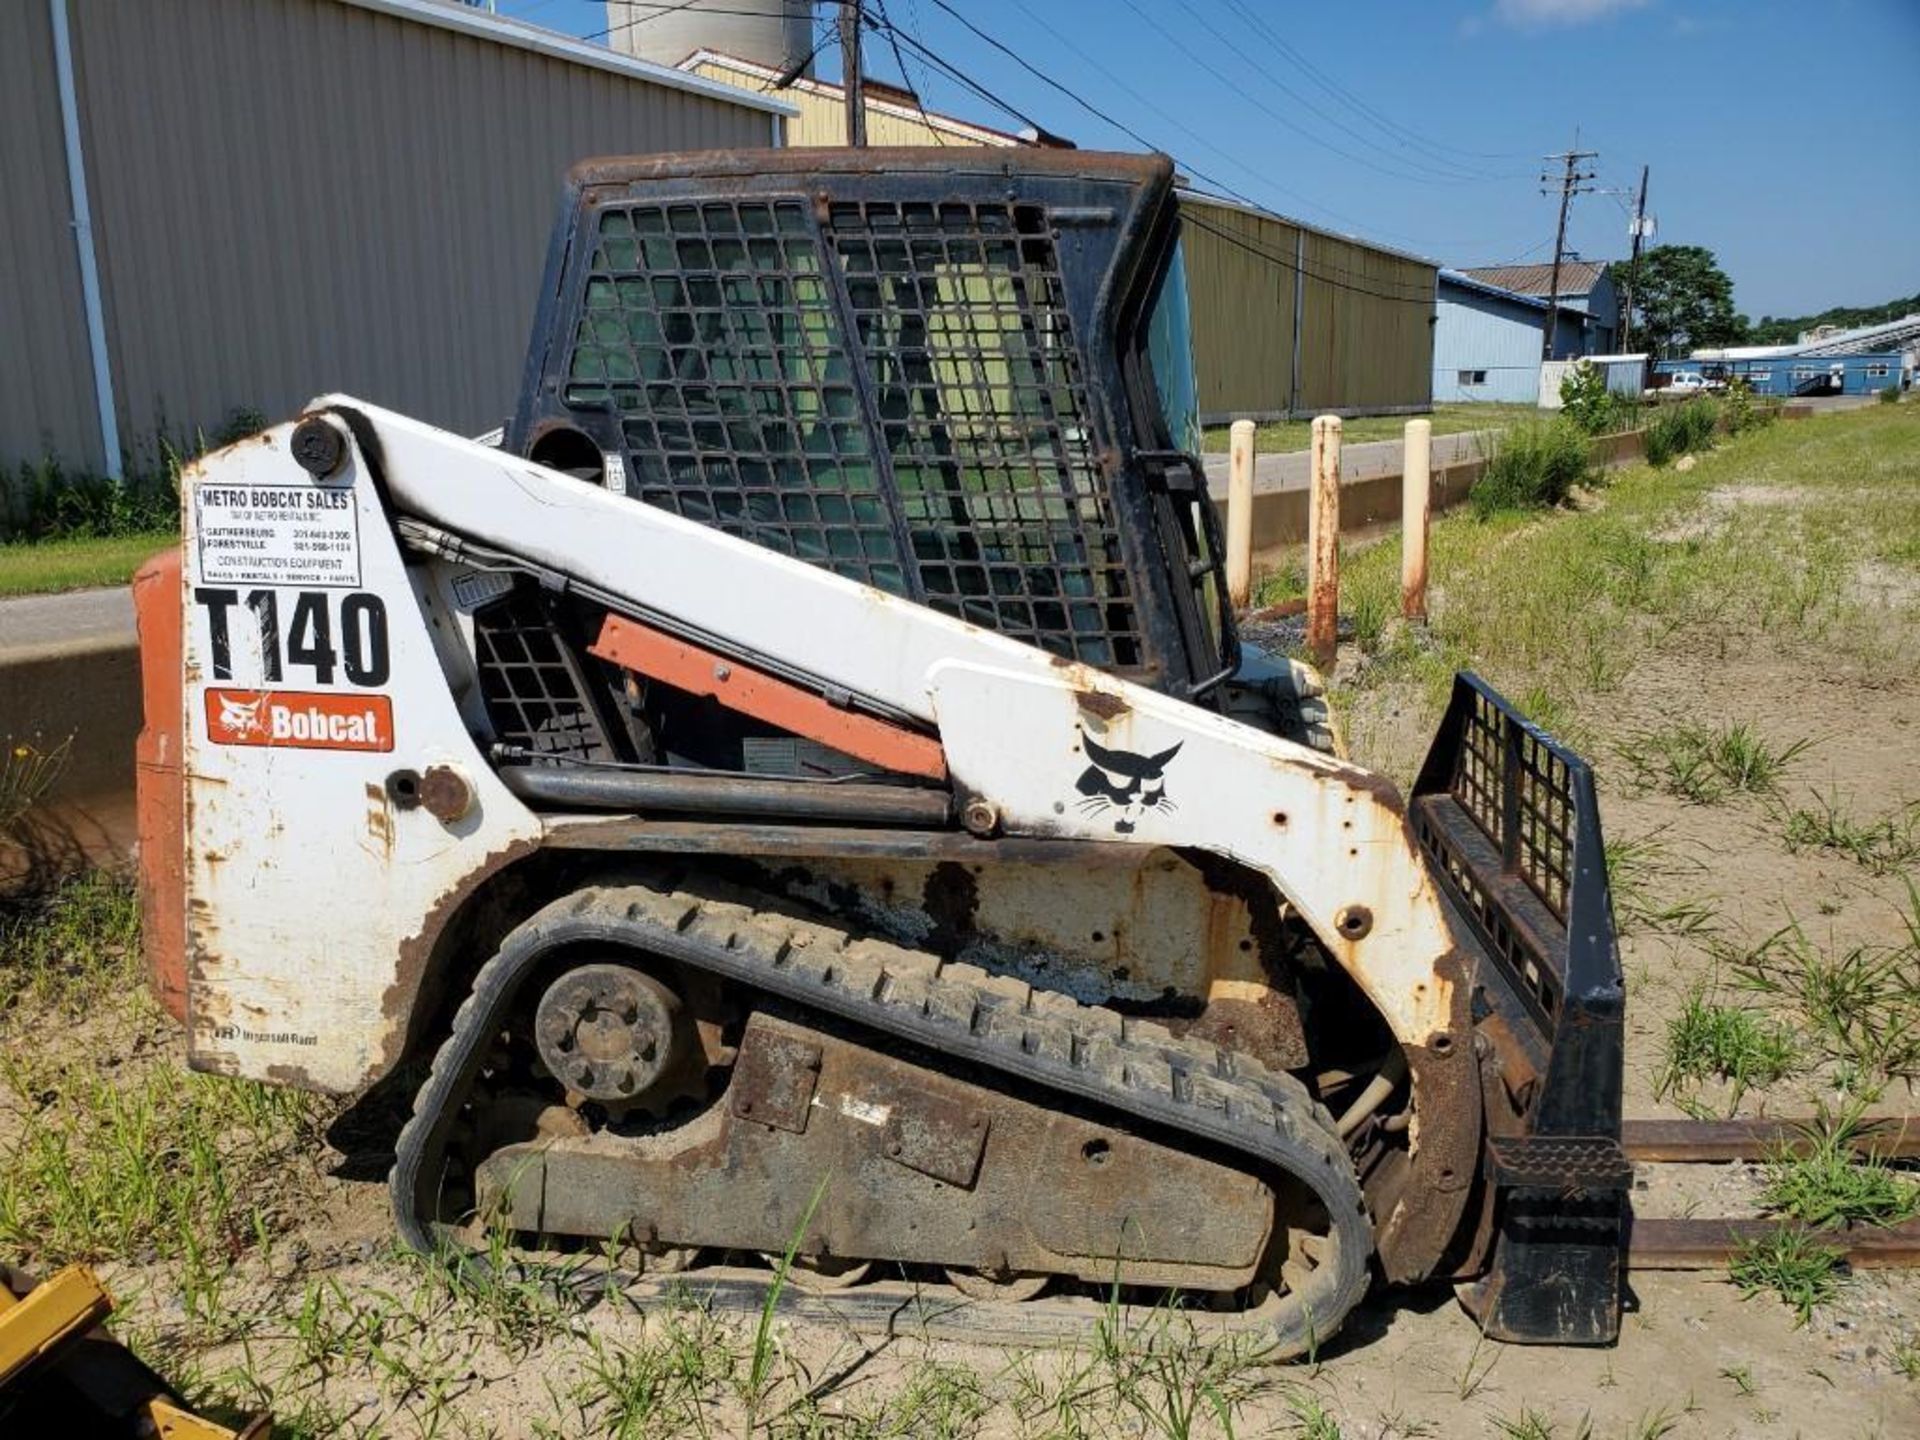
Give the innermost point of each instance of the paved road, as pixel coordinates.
(80, 619)
(1291, 471)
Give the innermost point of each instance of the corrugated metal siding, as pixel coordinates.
(1365, 331)
(46, 381)
(1477, 332)
(295, 196)
(1242, 304)
(822, 120)
(1367, 337)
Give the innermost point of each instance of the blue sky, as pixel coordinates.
(1783, 134)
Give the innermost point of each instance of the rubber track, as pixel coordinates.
(1045, 1039)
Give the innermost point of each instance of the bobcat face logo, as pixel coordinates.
(242, 719)
(1121, 780)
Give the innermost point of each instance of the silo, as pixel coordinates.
(778, 33)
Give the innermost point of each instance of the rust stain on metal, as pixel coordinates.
(1101, 704)
(416, 952)
(941, 1136)
(1323, 543)
(1422, 1218)
(774, 1080)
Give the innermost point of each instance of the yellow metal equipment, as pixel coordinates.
(58, 1366)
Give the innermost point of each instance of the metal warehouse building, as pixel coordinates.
(221, 204)
(1291, 320)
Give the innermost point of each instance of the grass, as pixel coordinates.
(1861, 1002)
(1532, 1425)
(1684, 429)
(27, 773)
(1532, 465)
(43, 567)
(1707, 764)
(1790, 1262)
(1569, 603)
(1279, 437)
(1710, 1041)
(1636, 868)
(1884, 846)
(1831, 1185)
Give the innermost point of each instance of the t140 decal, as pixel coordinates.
(333, 637)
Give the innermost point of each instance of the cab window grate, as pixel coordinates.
(716, 332)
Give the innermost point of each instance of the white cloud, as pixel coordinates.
(1560, 12)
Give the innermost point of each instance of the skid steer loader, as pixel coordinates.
(805, 787)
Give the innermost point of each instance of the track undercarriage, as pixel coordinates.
(975, 1139)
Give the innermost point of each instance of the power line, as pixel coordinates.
(1286, 262)
(661, 11)
(1034, 17)
(928, 54)
(893, 41)
(1454, 172)
(1280, 116)
(1096, 111)
(1353, 101)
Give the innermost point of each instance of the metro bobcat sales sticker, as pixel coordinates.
(299, 719)
(276, 535)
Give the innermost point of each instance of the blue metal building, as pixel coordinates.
(1795, 372)
(1486, 340)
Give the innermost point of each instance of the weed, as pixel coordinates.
(663, 1386)
(1708, 1041)
(1588, 403)
(941, 1401)
(27, 773)
(1683, 429)
(1474, 1374)
(1532, 466)
(1658, 1423)
(1705, 764)
(1862, 1002)
(1532, 1425)
(1789, 1261)
(761, 1367)
(142, 1159)
(1286, 583)
(1830, 1185)
(1311, 1419)
(71, 948)
(1740, 411)
(1742, 1378)
(1633, 867)
(42, 500)
(1906, 1357)
(1880, 847)
(1889, 394)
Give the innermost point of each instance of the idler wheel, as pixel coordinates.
(607, 1032)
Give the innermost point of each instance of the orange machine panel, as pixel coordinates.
(661, 657)
(159, 786)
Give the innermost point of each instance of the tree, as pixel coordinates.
(1681, 299)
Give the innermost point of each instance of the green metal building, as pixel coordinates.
(1290, 320)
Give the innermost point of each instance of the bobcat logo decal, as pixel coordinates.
(1121, 780)
(242, 719)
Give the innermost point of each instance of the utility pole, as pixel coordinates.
(855, 82)
(1572, 181)
(1640, 228)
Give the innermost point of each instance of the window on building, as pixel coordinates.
(1879, 371)
(1472, 377)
